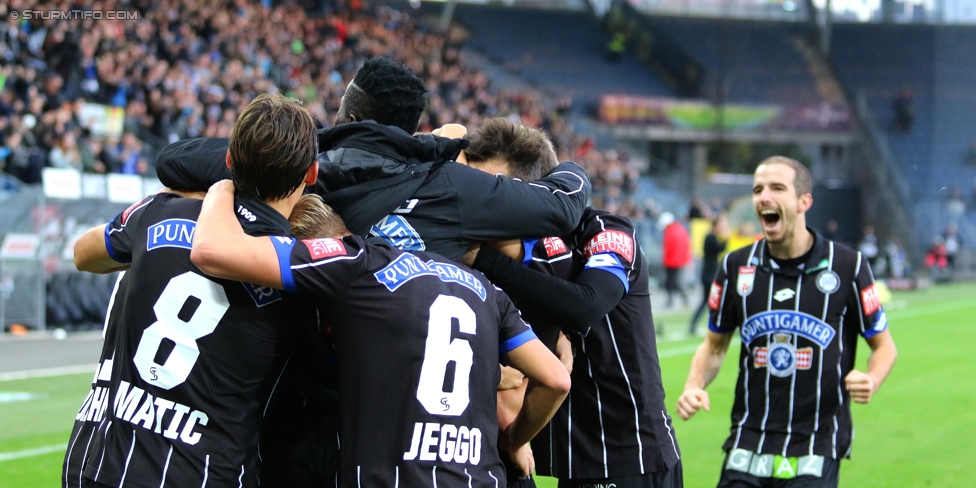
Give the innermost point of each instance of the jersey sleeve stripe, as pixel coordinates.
(109, 248)
(527, 246)
(283, 248)
(515, 342)
(618, 272)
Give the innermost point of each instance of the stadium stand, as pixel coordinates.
(934, 63)
(758, 60)
(562, 51)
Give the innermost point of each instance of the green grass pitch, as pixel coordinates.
(918, 431)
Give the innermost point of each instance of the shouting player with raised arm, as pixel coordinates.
(800, 302)
(196, 359)
(419, 340)
(614, 428)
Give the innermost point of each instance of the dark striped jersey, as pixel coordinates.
(419, 340)
(614, 422)
(93, 409)
(195, 359)
(552, 256)
(799, 327)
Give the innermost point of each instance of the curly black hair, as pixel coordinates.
(394, 94)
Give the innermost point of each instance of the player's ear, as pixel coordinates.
(227, 159)
(806, 201)
(312, 175)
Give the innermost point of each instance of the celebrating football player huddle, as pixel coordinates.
(352, 307)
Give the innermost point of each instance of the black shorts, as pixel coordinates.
(737, 479)
(672, 478)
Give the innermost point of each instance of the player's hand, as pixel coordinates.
(470, 255)
(451, 131)
(564, 351)
(524, 459)
(860, 385)
(691, 401)
(511, 378)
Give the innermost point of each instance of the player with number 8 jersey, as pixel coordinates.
(419, 340)
(197, 359)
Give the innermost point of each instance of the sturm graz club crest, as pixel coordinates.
(828, 282)
(781, 357)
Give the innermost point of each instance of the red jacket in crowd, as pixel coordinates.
(677, 246)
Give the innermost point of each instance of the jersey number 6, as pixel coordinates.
(440, 351)
(189, 308)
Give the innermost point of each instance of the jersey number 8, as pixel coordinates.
(440, 351)
(189, 308)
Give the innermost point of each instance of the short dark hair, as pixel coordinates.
(527, 151)
(272, 146)
(389, 93)
(802, 181)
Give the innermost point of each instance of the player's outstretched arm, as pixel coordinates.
(548, 386)
(222, 249)
(92, 255)
(704, 368)
(496, 208)
(883, 354)
(576, 305)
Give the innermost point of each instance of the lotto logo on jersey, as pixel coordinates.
(715, 296)
(554, 246)
(324, 248)
(870, 300)
(611, 241)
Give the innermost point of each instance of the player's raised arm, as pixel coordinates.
(863, 385)
(868, 312)
(108, 248)
(498, 208)
(92, 255)
(222, 249)
(705, 366)
(580, 303)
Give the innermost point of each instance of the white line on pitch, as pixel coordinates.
(46, 372)
(7, 456)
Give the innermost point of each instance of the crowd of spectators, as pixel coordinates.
(186, 68)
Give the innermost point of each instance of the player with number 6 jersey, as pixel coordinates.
(419, 340)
